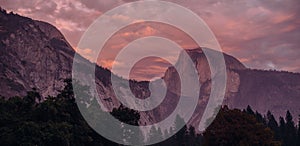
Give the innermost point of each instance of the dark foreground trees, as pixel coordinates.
(234, 127)
(57, 121)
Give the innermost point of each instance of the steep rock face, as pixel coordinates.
(262, 90)
(200, 61)
(33, 55)
(172, 80)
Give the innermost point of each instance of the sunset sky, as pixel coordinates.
(262, 34)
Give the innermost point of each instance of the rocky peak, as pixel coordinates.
(49, 30)
(34, 54)
(262, 90)
(231, 62)
(201, 63)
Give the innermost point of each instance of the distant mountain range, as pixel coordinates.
(35, 54)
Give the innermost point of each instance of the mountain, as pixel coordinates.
(276, 91)
(35, 54)
(205, 78)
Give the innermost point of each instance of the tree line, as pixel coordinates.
(57, 121)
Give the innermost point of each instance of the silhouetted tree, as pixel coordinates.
(166, 133)
(191, 136)
(155, 134)
(250, 111)
(273, 125)
(298, 131)
(260, 118)
(289, 137)
(181, 135)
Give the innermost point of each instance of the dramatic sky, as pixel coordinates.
(262, 34)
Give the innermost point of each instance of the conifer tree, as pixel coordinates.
(298, 131)
(281, 127)
(191, 136)
(249, 110)
(181, 135)
(273, 125)
(290, 130)
(155, 134)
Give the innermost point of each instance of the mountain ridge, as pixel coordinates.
(35, 54)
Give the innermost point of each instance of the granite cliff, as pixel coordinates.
(35, 54)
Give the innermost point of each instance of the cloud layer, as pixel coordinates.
(262, 34)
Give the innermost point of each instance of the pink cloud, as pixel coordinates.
(252, 31)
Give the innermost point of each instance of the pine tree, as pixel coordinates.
(281, 127)
(191, 136)
(249, 110)
(155, 134)
(181, 135)
(159, 133)
(172, 131)
(298, 131)
(166, 133)
(273, 125)
(260, 118)
(287, 130)
(290, 130)
(199, 140)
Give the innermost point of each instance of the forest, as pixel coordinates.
(29, 120)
